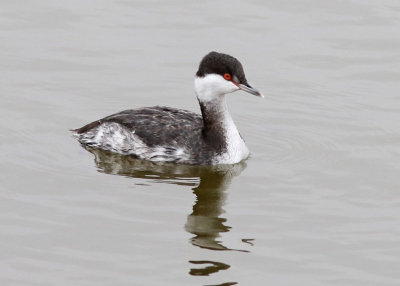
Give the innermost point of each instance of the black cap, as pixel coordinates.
(218, 63)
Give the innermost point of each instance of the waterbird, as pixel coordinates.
(168, 134)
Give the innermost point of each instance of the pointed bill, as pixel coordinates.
(248, 88)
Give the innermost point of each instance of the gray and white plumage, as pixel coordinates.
(175, 135)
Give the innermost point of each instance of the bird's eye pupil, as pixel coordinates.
(227, 76)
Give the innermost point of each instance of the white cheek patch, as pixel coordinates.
(212, 86)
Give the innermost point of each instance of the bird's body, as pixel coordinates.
(175, 135)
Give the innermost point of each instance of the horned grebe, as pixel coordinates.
(175, 135)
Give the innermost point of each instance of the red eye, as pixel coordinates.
(227, 76)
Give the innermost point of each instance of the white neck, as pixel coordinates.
(210, 91)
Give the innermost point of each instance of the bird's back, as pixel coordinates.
(153, 133)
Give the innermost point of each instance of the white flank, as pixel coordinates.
(116, 138)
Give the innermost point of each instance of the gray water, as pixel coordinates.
(317, 203)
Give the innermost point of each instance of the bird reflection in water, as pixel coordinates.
(205, 221)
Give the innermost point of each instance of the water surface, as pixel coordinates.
(316, 204)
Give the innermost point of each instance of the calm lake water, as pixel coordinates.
(317, 203)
